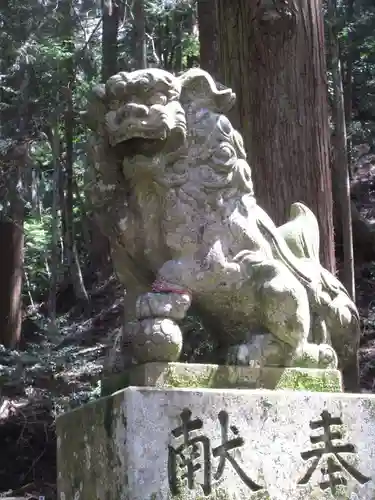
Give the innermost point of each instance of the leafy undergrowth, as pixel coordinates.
(54, 372)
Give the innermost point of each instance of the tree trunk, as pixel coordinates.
(348, 81)
(99, 251)
(177, 53)
(69, 165)
(340, 171)
(12, 167)
(272, 55)
(71, 254)
(139, 37)
(166, 44)
(111, 12)
(208, 43)
(73, 268)
(11, 249)
(84, 219)
(55, 225)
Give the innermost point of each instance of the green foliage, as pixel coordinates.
(190, 48)
(169, 29)
(35, 68)
(356, 33)
(37, 248)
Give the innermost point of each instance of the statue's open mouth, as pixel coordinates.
(140, 146)
(149, 144)
(138, 130)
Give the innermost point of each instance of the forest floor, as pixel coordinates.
(56, 371)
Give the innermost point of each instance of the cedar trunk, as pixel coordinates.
(111, 12)
(208, 43)
(340, 170)
(11, 250)
(139, 36)
(272, 55)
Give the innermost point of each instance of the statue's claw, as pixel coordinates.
(262, 350)
(315, 356)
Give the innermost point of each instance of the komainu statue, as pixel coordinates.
(170, 184)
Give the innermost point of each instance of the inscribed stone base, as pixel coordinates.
(197, 444)
(223, 377)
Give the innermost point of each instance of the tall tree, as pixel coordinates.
(12, 242)
(348, 75)
(67, 200)
(12, 168)
(272, 55)
(208, 43)
(340, 169)
(55, 144)
(111, 14)
(139, 39)
(177, 52)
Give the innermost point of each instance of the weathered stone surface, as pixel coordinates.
(172, 189)
(117, 447)
(159, 305)
(223, 377)
(160, 336)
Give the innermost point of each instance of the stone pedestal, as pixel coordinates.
(227, 444)
(223, 377)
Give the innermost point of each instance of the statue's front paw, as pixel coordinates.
(262, 350)
(245, 354)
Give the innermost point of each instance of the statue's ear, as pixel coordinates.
(116, 85)
(198, 86)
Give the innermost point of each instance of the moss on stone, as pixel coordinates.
(315, 381)
(203, 378)
(188, 375)
(86, 451)
(369, 406)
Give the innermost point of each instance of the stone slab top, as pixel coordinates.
(196, 375)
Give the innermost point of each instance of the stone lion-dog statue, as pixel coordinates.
(170, 185)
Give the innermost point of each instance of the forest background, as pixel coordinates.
(60, 303)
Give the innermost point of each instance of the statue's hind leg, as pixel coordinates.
(285, 315)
